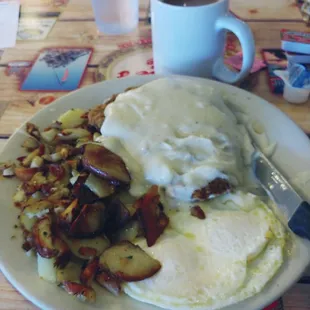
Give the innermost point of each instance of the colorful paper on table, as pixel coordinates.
(236, 62)
(31, 28)
(58, 69)
(275, 59)
(9, 12)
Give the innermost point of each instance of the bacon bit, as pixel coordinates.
(198, 212)
(21, 158)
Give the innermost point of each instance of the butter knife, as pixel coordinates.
(283, 194)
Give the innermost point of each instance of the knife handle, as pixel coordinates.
(300, 221)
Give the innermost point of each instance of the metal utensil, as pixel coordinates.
(279, 189)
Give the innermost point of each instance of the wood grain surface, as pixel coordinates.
(75, 27)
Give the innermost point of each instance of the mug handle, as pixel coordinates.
(245, 36)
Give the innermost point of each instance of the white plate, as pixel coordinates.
(292, 156)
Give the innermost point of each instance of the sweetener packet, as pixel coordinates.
(295, 41)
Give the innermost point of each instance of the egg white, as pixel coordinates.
(212, 263)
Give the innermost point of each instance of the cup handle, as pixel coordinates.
(245, 36)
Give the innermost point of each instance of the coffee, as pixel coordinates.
(189, 2)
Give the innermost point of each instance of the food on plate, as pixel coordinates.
(146, 194)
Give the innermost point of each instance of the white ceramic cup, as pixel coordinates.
(190, 40)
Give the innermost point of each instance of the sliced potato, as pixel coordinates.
(117, 216)
(109, 282)
(37, 162)
(37, 152)
(105, 164)
(129, 232)
(46, 268)
(88, 222)
(215, 188)
(96, 115)
(80, 291)
(38, 208)
(64, 253)
(42, 237)
(128, 262)
(66, 218)
(19, 196)
(152, 217)
(49, 135)
(72, 118)
(25, 174)
(89, 272)
(87, 248)
(30, 144)
(26, 221)
(73, 134)
(33, 130)
(102, 188)
(69, 273)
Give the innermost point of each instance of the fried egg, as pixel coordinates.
(212, 263)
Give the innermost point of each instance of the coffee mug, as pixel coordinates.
(190, 40)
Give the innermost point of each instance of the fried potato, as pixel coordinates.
(89, 272)
(128, 262)
(196, 211)
(72, 118)
(109, 282)
(88, 222)
(70, 272)
(153, 219)
(42, 237)
(80, 291)
(66, 218)
(105, 164)
(215, 188)
(102, 188)
(87, 248)
(25, 174)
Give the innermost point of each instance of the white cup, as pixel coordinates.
(190, 40)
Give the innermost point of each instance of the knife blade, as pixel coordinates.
(283, 194)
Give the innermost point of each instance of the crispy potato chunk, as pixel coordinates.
(80, 291)
(89, 272)
(71, 273)
(67, 217)
(153, 219)
(109, 282)
(42, 237)
(215, 188)
(87, 248)
(96, 115)
(196, 211)
(88, 222)
(128, 262)
(105, 164)
(25, 174)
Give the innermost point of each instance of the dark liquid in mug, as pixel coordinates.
(189, 2)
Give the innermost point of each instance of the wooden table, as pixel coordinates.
(75, 27)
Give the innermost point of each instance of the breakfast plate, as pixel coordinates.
(291, 156)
